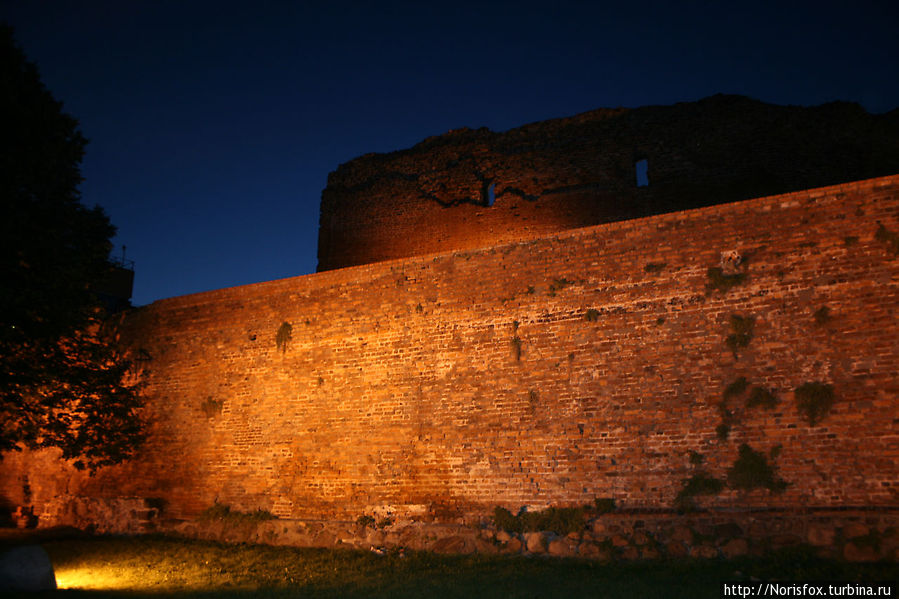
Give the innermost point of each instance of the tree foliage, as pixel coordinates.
(62, 383)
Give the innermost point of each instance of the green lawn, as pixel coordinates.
(168, 567)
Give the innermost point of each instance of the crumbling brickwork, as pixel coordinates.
(589, 363)
(581, 171)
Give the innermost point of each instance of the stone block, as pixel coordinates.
(675, 549)
(704, 552)
(535, 542)
(513, 545)
(630, 553)
(855, 530)
(455, 544)
(682, 533)
(735, 548)
(640, 538)
(821, 535)
(560, 548)
(859, 553)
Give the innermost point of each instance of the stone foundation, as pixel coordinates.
(850, 534)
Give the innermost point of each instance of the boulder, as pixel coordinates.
(855, 530)
(26, 568)
(682, 533)
(704, 552)
(560, 548)
(454, 544)
(640, 538)
(588, 549)
(728, 530)
(503, 537)
(859, 553)
(735, 548)
(675, 549)
(630, 553)
(821, 535)
(649, 552)
(513, 545)
(536, 542)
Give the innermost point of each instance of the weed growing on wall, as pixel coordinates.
(741, 332)
(761, 397)
(365, 520)
(284, 335)
(211, 407)
(735, 389)
(888, 237)
(591, 315)
(751, 470)
(222, 512)
(719, 281)
(561, 521)
(722, 431)
(655, 267)
(732, 390)
(700, 483)
(821, 315)
(814, 400)
(516, 342)
(558, 285)
(604, 505)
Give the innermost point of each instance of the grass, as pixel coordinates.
(154, 566)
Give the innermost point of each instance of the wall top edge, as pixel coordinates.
(366, 271)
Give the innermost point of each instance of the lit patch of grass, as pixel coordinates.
(160, 566)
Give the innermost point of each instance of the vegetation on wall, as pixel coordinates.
(751, 470)
(558, 285)
(741, 332)
(821, 315)
(591, 315)
(719, 281)
(516, 341)
(222, 512)
(604, 505)
(701, 483)
(890, 238)
(732, 390)
(284, 335)
(561, 521)
(814, 400)
(211, 407)
(762, 398)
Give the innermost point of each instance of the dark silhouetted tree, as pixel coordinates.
(62, 383)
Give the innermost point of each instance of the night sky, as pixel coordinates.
(213, 125)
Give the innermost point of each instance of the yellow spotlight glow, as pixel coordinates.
(85, 578)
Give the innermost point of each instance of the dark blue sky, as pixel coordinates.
(213, 125)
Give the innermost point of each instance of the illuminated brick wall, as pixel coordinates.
(585, 364)
(581, 171)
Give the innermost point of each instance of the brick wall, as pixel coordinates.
(584, 364)
(580, 171)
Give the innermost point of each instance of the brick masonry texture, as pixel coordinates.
(580, 171)
(583, 364)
